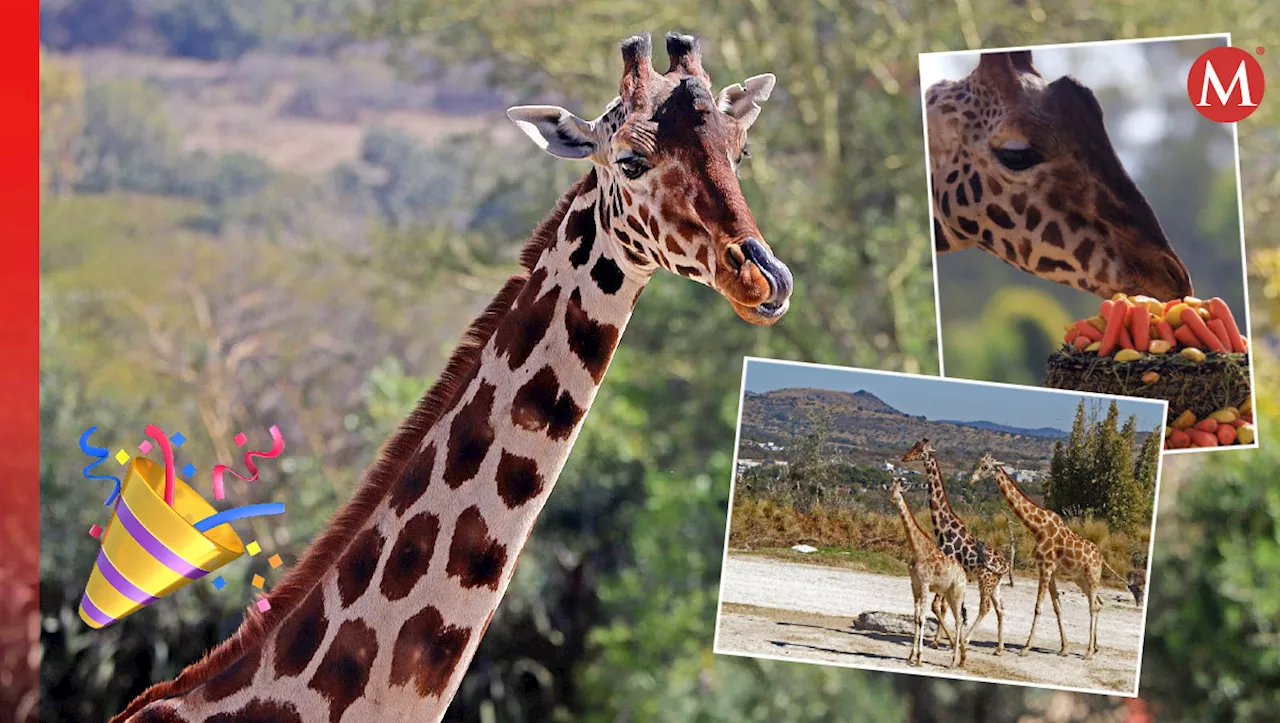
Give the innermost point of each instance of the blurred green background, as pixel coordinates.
(285, 212)
(1000, 323)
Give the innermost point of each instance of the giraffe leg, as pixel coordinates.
(1057, 611)
(1046, 574)
(1095, 612)
(984, 604)
(958, 648)
(998, 600)
(917, 642)
(940, 612)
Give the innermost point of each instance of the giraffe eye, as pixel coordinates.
(633, 166)
(1018, 159)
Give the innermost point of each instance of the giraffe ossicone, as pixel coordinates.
(383, 614)
(1023, 169)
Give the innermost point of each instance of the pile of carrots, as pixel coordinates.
(1131, 326)
(1222, 428)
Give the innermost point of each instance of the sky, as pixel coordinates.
(949, 399)
(1125, 65)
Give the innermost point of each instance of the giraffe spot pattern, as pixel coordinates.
(592, 341)
(962, 198)
(540, 404)
(155, 713)
(975, 184)
(580, 227)
(234, 678)
(358, 563)
(426, 652)
(1049, 265)
(475, 558)
(413, 481)
(518, 479)
(638, 227)
(519, 333)
(1084, 250)
(607, 276)
(300, 636)
(968, 225)
(343, 673)
(1033, 218)
(1000, 216)
(258, 710)
(470, 437)
(1052, 235)
(410, 556)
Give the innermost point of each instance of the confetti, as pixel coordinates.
(122, 457)
(189, 470)
(275, 561)
(219, 583)
(263, 605)
(95, 532)
(253, 548)
(239, 513)
(144, 447)
(241, 439)
(177, 439)
(158, 435)
(259, 581)
(100, 455)
(277, 446)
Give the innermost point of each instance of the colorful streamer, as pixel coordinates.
(277, 446)
(100, 455)
(239, 513)
(166, 449)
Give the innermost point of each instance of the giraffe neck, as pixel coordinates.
(920, 543)
(939, 506)
(1026, 510)
(389, 628)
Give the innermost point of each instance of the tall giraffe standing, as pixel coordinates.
(979, 560)
(931, 571)
(1060, 553)
(1023, 169)
(380, 619)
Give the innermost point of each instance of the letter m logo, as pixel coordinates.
(1234, 100)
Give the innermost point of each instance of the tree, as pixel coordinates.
(61, 123)
(128, 142)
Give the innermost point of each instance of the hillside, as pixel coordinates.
(866, 430)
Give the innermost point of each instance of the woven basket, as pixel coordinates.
(1221, 380)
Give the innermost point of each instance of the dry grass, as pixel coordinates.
(764, 525)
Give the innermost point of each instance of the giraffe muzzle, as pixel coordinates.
(775, 272)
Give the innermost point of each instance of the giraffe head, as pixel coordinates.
(666, 153)
(895, 491)
(987, 468)
(919, 451)
(1024, 169)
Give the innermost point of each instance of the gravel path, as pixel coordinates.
(805, 612)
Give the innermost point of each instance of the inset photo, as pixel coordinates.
(1087, 228)
(942, 527)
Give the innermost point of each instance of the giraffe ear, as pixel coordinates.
(742, 100)
(555, 130)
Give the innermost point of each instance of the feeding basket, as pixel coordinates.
(1221, 380)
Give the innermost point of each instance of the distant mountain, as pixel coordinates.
(1037, 432)
(866, 430)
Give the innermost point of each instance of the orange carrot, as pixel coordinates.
(1222, 313)
(1088, 331)
(1186, 337)
(1240, 422)
(1140, 327)
(1202, 332)
(1126, 341)
(1166, 332)
(1226, 434)
(1178, 439)
(1082, 342)
(1115, 325)
(1219, 330)
(1071, 335)
(1170, 304)
(1208, 424)
(1105, 308)
(1202, 439)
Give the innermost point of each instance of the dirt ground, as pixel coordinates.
(806, 613)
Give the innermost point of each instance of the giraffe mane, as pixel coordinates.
(325, 550)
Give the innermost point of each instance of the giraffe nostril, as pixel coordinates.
(734, 257)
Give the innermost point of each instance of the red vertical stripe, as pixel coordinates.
(19, 350)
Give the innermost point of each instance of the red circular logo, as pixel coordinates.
(1225, 84)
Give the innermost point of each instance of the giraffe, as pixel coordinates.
(1023, 169)
(980, 561)
(383, 614)
(931, 571)
(1059, 552)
